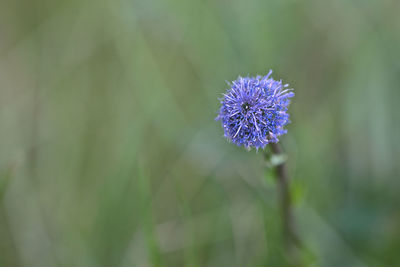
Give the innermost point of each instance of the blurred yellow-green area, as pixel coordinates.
(110, 154)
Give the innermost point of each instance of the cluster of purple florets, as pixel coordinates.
(254, 111)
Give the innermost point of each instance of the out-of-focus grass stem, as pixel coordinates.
(148, 221)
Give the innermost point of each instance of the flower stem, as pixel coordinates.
(291, 239)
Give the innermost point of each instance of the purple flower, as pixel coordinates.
(254, 111)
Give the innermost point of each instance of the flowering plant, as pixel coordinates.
(253, 111)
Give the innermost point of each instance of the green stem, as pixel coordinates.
(290, 236)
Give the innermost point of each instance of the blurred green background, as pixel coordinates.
(110, 155)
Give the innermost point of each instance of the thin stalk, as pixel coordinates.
(289, 230)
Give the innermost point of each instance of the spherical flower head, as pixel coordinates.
(253, 111)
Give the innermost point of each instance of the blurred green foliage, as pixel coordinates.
(110, 155)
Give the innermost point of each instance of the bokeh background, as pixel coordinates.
(110, 155)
